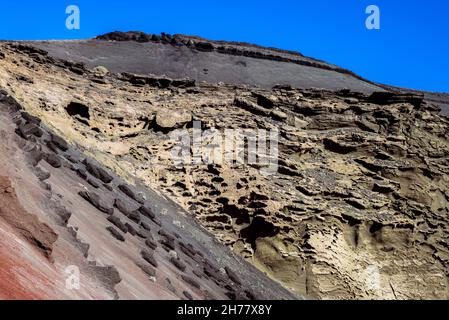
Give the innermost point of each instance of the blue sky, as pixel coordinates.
(411, 49)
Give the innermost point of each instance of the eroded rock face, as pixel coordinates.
(168, 120)
(73, 216)
(357, 207)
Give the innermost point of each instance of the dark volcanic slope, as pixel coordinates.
(236, 63)
(211, 66)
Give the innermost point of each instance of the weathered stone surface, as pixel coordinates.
(149, 270)
(148, 257)
(278, 115)
(151, 244)
(191, 281)
(100, 71)
(28, 129)
(131, 229)
(118, 223)
(146, 211)
(144, 233)
(94, 183)
(53, 160)
(145, 225)
(131, 193)
(251, 107)
(115, 233)
(360, 179)
(98, 172)
(97, 202)
(178, 264)
(59, 142)
(124, 207)
(166, 120)
(42, 174)
(30, 118)
(63, 215)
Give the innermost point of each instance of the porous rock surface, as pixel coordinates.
(357, 207)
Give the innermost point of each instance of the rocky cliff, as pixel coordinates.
(357, 207)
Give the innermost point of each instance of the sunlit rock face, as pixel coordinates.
(356, 206)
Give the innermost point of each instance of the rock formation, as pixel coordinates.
(357, 207)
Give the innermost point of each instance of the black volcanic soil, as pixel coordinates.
(212, 67)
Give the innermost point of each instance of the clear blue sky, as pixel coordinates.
(411, 49)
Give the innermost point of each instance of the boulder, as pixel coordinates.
(52, 147)
(118, 223)
(100, 71)
(168, 243)
(147, 212)
(81, 173)
(63, 215)
(115, 233)
(151, 244)
(131, 193)
(98, 172)
(93, 183)
(130, 229)
(204, 46)
(26, 130)
(178, 264)
(168, 120)
(95, 200)
(35, 155)
(41, 174)
(53, 160)
(148, 270)
(144, 234)
(59, 142)
(148, 257)
(187, 250)
(164, 234)
(30, 118)
(124, 207)
(134, 216)
(191, 281)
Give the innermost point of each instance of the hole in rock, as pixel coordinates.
(78, 109)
